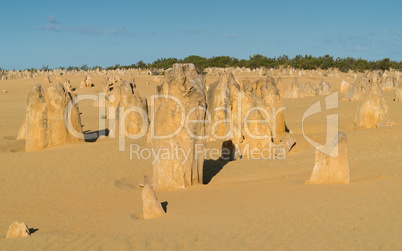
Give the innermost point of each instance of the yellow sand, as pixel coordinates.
(85, 196)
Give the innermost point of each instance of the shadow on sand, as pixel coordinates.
(94, 136)
(212, 168)
(33, 230)
(164, 206)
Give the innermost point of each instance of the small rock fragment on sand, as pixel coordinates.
(150, 204)
(18, 230)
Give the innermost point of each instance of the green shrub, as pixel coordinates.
(307, 62)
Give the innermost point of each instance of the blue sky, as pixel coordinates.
(105, 33)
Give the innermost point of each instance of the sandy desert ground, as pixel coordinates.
(85, 195)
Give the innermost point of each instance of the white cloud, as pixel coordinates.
(233, 36)
(118, 31)
(51, 25)
(88, 30)
(51, 19)
(358, 48)
(397, 32)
